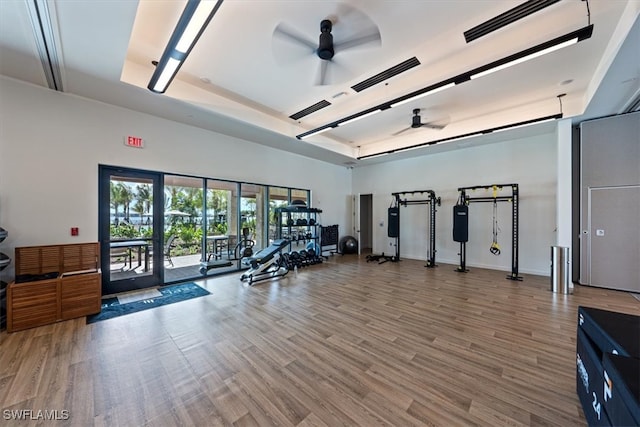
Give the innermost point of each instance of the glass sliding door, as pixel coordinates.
(278, 197)
(183, 227)
(129, 229)
(222, 240)
(253, 214)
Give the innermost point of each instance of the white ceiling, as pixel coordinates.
(242, 81)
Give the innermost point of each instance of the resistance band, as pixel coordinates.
(495, 247)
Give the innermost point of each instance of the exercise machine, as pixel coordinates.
(460, 221)
(267, 263)
(205, 266)
(426, 197)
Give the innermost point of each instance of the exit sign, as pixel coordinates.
(133, 141)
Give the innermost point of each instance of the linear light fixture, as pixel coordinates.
(192, 23)
(524, 58)
(370, 113)
(538, 50)
(316, 132)
(423, 94)
(467, 135)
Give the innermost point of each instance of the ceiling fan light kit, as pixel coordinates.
(192, 23)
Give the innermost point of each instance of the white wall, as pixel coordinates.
(529, 162)
(51, 144)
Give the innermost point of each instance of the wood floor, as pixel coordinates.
(342, 343)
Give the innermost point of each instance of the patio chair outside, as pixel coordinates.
(168, 246)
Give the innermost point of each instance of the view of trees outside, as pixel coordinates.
(131, 210)
(278, 197)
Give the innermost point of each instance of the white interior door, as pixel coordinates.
(614, 237)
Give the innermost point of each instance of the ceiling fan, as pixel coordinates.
(325, 49)
(416, 122)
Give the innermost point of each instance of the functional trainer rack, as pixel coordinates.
(432, 201)
(513, 198)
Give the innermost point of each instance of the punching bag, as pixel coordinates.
(460, 223)
(394, 222)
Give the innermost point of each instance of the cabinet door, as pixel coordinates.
(80, 295)
(32, 304)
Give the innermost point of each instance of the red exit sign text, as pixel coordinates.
(133, 141)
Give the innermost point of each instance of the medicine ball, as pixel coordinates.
(312, 221)
(348, 245)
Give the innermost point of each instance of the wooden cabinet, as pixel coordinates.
(32, 304)
(53, 283)
(80, 295)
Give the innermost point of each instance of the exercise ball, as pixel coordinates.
(348, 245)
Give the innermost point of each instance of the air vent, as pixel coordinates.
(510, 16)
(312, 109)
(387, 74)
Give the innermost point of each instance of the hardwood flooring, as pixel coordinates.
(342, 343)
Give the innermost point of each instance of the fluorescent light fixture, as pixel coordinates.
(196, 24)
(429, 92)
(370, 113)
(466, 135)
(192, 23)
(167, 73)
(527, 54)
(550, 119)
(525, 58)
(315, 132)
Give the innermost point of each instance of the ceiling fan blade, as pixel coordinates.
(432, 125)
(401, 131)
(289, 34)
(373, 38)
(321, 78)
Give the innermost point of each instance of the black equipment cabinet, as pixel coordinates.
(298, 224)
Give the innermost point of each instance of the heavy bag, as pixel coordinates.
(460, 223)
(393, 229)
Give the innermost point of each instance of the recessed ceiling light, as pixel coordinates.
(205, 80)
(566, 82)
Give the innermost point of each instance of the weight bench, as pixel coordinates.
(267, 263)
